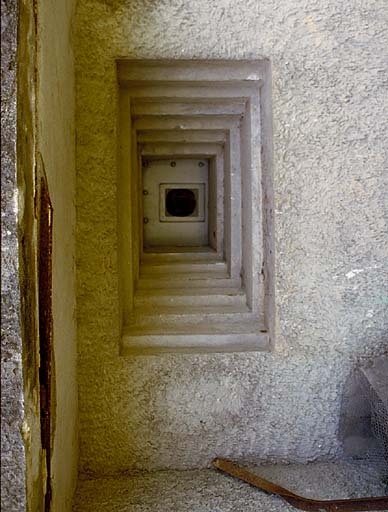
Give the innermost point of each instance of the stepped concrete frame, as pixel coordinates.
(189, 103)
(232, 182)
(229, 127)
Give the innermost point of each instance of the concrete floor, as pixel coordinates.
(210, 491)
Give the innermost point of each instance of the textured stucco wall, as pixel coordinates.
(330, 179)
(13, 457)
(56, 144)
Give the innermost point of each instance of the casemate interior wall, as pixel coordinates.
(329, 102)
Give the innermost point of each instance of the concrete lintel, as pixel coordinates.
(190, 70)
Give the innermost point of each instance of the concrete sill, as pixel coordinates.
(147, 344)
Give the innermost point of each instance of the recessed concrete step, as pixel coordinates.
(193, 266)
(192, 316)
(192, 92)
(188, 136)
(188, 328)
(199, 280)
(151, 71)
(181, 310)
(189, 338)
(186, 123)
(170, 255)
(192, 297)
(210, 106)
(172, 150)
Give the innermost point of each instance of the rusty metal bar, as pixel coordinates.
(45, 247)
(348, 505)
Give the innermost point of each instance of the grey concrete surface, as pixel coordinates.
(330, 106)
(13, 462)
(209, 490)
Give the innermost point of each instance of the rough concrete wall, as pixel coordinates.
(56, 144)
(13, 462)
(330, 179)
(27, 236)
(21, 245)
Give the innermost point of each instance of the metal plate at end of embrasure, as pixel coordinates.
(195, 190)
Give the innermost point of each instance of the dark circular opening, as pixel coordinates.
(180, 202)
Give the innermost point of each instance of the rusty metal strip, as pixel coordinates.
(45, 237)
(349, 505)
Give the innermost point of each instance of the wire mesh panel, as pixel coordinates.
(364, 421)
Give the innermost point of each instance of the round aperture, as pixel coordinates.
(180, 202)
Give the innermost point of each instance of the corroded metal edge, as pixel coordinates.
(300, 502)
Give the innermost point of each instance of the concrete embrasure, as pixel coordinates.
(199, 96)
